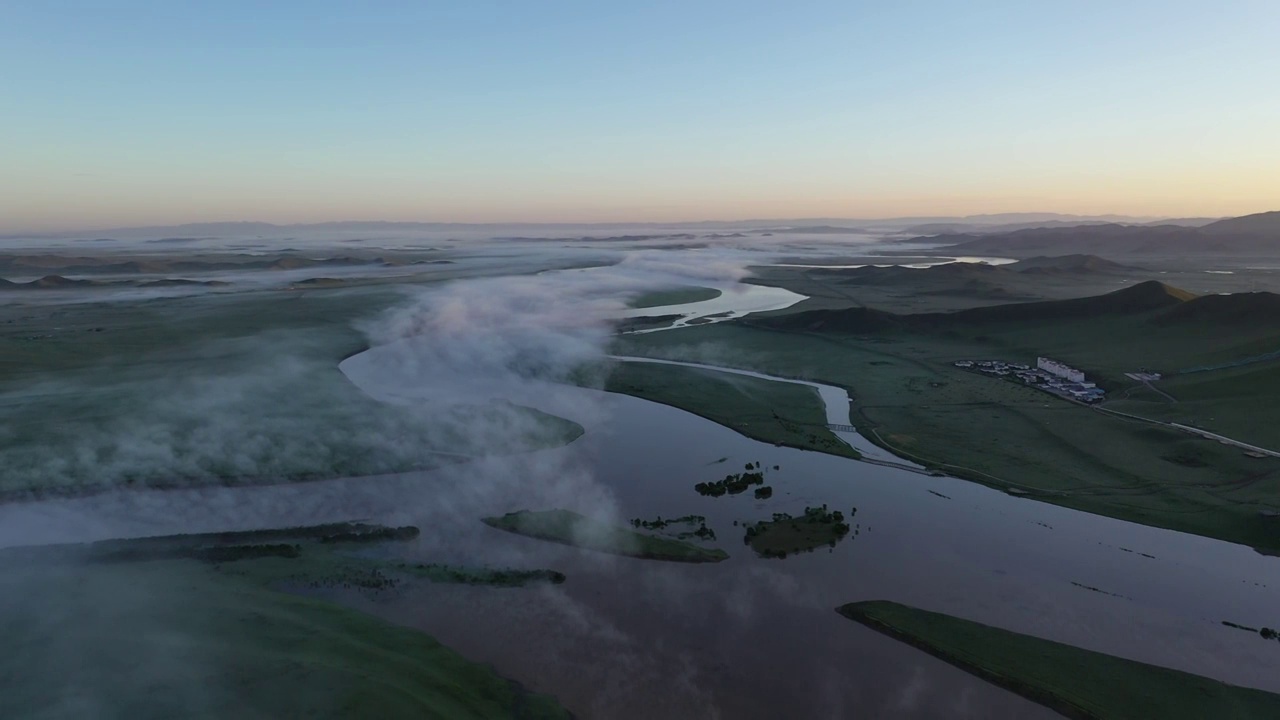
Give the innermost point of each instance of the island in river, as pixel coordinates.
(570, 528)
(1077, 683)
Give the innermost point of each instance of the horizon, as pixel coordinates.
(1000, 218)
(497, 359)
(564, 114)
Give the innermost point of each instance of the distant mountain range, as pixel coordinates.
(58, 282)
(1250, 234)
(63, 265)
(985, 228)
(193, 233)
(1011, 234)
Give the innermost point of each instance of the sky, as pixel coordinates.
(119, 113)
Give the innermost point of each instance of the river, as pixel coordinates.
(763, 630)
(749, 637)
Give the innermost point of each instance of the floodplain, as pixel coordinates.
(436, 396)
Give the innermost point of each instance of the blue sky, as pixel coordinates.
(155, 112)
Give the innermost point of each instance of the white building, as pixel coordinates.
(1053, 367)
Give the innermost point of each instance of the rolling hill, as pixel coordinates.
(1267, 223)
(1254, 307)
(1069, 265)
(1144, 297)
(59, 282)
(66, 265)
(1140, 298)
(56, 282)
(1250, 234)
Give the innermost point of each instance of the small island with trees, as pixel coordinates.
(784, 534)
(734, 483)
(697, 522)
(465, 575)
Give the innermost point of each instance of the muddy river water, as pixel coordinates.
(749, 637)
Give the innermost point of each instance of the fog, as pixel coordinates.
(451, 364)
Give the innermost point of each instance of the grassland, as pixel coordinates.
(200, 645)
(211, 389)
(162, 638)
(677, 296)
(774, 412)
(465, 575)
(909, 399)
(570, 528)
(1077, 683)
(1238, 402)
(312, 555)
(960, 286)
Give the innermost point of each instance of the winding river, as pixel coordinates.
(834, 400)
(749, 637)
(735, 301)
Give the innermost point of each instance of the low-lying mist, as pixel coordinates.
(452, 373)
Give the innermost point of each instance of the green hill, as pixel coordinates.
(57, 281)
(1255, 234)
(1141, 298)
(851, 320)
(1254, 307)
(1068, 264)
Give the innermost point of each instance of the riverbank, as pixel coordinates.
(775, 412)
(909, 398)
(136, 628)
(1077, 683)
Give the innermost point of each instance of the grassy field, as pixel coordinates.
(570, 528)
(908, 398)
(166, 638)
(1237, 402)
(1077, 683)
(227, 388)
(677, 296)
(774, 412)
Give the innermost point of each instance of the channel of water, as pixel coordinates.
(749, 637)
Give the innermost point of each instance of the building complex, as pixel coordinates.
(1066, 372)
(1050, 376)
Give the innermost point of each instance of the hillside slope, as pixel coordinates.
(1254, 307)
(1141, 298)
(1076, 264)
(1267, 223)
(1250, 234)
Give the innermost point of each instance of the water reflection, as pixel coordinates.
(755, 637)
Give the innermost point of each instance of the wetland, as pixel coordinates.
(524, 521)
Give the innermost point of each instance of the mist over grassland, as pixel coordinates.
(245, 387)
(211, 390)
(226, 389)
(251, 387)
